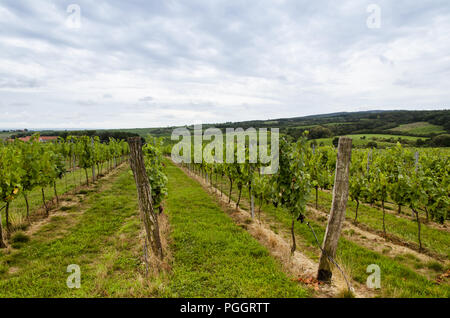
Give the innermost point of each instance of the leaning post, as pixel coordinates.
(144, 196)
(338, 206)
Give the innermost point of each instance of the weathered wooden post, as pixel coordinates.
(337, 213)
(144, 196)
(252, 202)
(2, 242)
(93, 163)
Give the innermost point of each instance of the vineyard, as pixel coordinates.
(417, 182)
(28, 169)
(220, 229)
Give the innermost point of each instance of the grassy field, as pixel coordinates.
(325, 125)
(420, 128)
(363, 139)
(435, 240)
(211, 256)
(399, 279)
(143, 132)
(97, 235)
(5, 135)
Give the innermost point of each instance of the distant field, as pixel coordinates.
(304, 127)
(143, 132)
(316, 125)
(357, 141)
(420, 128)
(140, 131)
(4, 135)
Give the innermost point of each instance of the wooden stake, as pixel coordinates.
(44, 201)
(144, 196)
(93, 164)
(252, 201)
(28, 206)
(337, 213)
(2, 242)
(8, 224)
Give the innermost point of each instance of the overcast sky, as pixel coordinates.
(166, 62)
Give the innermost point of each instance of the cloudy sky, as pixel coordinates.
(133, 63)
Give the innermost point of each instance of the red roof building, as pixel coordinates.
(47, 138)
(41, 138)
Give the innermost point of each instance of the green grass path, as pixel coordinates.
(96, 240)
(212, 257)
(398, 279)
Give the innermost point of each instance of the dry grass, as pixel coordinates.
(155, 266)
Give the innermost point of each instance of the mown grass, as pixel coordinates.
(420, 128)
(5, 135)
(360, 140)
(212, 256)
(397, 278)
(93, 240)
(433, 239)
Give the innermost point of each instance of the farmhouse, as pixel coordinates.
(41, 138)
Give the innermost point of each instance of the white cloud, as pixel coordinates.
(142, 64)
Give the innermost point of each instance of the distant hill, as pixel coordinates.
(385, 127)
(423, 125)
(432, 123)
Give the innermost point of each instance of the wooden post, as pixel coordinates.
(252, 201)
(369, 156)
(93, 164)
(337, 213)
(144, 196)
(2, 242)
(253, 206)
(416, 155)
(73, 170)
(8, 224)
